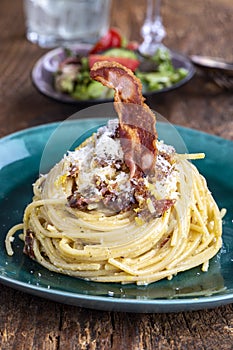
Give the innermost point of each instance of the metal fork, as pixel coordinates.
(218, 70)
(153, 33)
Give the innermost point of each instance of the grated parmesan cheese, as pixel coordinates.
(94, 163)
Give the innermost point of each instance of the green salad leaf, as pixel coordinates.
(165, 74)
(73, 77)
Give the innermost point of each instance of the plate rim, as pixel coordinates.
(161, 305)
(57, 123)
(121, 304)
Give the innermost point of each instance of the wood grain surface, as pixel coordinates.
(28, 322)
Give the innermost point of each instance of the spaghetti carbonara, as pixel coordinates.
(90, 219)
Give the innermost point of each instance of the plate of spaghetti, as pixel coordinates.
(120, 219)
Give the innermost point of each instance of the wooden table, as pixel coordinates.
(29, 322)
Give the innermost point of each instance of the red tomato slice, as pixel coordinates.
(132, 45)
(111, 39)
(130, 63)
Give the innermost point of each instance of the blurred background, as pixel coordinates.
(200, 27)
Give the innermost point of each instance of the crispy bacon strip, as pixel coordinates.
(137, 122)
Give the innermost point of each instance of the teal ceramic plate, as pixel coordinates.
(21, 155)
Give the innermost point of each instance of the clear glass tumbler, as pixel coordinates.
(51, 23)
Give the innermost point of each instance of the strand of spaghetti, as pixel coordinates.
(200, 221)
(150, 267)
(189, 251)
(131, 249)
(42, 202)
(200, 190)
(56, 260)
(158, 255)
(191, 156)
(9, 238)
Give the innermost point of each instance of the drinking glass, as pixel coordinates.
(51, 23)
(153, 31)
